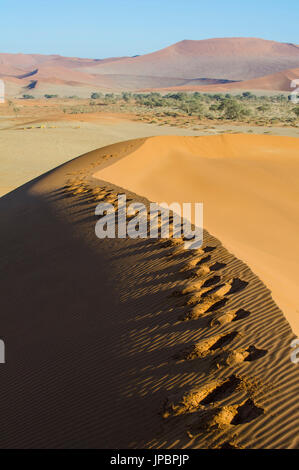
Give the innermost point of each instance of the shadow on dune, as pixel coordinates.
(72, 377)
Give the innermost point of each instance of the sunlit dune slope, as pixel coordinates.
(249, 187)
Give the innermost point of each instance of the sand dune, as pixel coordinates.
(49, 74)
(186, 64)
(20, 69)
(223, 58)
(249, 188)
(280, 81)
(121, 343)
(31, 61)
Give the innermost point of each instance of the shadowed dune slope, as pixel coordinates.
(120, 343)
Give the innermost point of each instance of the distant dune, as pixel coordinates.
(186, 64)
(138, 343)
(226, 58)
(279, 81)
(29, 61)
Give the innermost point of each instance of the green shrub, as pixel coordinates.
(296, 111)
(95, 96)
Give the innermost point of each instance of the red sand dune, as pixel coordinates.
(230, 58)
(186, 64)
(29, 61)
(279, 81)
(105, 335)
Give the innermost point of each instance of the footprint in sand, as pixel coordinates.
(199, 307)
(223, 417)
(231, 316)
(217, 266)
(208, 249)
(222, 391)
(206, 396)
(231, 358)
(205, 347)
(211, 299)
(211, 281)
(246, 412)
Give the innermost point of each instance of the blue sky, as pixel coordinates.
(103, 28)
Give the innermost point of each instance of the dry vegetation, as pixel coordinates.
(184, 109)
(175, 109)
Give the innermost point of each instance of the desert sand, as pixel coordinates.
(122, 343)
(48, 143)
(249, 187)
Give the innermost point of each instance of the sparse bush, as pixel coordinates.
(263, 108)
(233, 110)
(248, 95)
(95, 96)
(259, 110)
(126, 96)
(296, 111)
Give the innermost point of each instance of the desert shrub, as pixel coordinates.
(248, 95)
(281, 98)
(126, 96)
(233, 110)
(263, 108)
(95, 96)
(191, 107)
(296, 111)
(209, 116)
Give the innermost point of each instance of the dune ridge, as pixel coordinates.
(121, 336)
